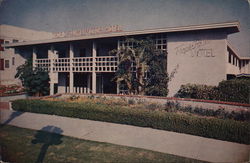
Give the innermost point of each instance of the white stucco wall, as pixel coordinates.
(7, 76)
(232, 69)
(10, 33)
(200, 58)
(246, 68)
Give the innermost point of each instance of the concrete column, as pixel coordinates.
(71, 82)
(51, 88)
(227, 58)
(34, 57)
(101, 78)
(117, 88)
(93, 82)
(51, 56)
(93, 71)
(51, 74)
(88, 83)
(232, 58)
(118, 84)
(71, 74)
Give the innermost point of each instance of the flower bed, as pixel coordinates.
(10, 89)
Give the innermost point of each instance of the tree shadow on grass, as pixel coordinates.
(49, 135)
(11, 117)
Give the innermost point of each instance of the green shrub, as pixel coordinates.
(237, 90)
(131, 102)
(197, 91)
(219, 113)
(228, 130)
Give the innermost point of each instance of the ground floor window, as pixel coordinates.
(1, 64)
(13, 60)
(230, 76)
(7, 64)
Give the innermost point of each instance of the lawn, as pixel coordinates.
(24, 145)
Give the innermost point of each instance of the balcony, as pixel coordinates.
(79, 64)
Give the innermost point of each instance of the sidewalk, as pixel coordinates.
(157, 140)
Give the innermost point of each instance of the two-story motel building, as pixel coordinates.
(79, 61)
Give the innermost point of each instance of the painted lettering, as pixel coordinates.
(194, 49)
(89, 31)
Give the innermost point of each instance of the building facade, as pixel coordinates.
(80, 62)
(9, 59)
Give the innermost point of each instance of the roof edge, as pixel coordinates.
(235, 52)
(232, 27)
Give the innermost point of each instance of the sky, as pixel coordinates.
(66, 15)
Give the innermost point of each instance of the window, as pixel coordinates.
(83, 52)
(6, 42)
(15, 40)
(1, 42)
(98, 52)
(13, 60)
(161, 42)
(7, 64)
(229, 58)
(1, 64)
(125, 44)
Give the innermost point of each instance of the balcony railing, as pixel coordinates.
(79, 64)
(61, 65)
(43, 64)
(83, 64)
(106, 64)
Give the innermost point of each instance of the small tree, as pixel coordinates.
(131, 66)
(156, 83)
(34, 80)
(137, 61)
(125, 73)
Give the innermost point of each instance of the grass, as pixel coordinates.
(24, 145)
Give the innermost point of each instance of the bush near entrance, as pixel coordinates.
(34, 80)
(229, 130)
(236, 90)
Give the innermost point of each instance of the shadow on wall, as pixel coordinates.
(49, 135)
(11, 117)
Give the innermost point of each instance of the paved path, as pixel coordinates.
(157, 140)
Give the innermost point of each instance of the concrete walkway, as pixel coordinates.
(157, 140)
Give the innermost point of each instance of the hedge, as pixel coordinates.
(241, 115)
(236, 90)
(197, 91)
(229, 130)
